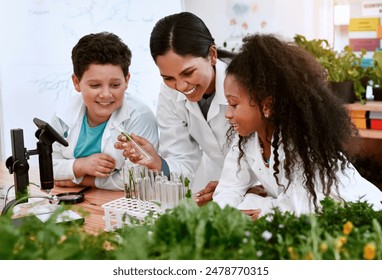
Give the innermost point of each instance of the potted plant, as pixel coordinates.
(318, 47)
(344, 69)
(346, 73)
(376, 75)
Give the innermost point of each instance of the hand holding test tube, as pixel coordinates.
(128, 137)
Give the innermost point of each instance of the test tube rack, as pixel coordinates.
(119, 212)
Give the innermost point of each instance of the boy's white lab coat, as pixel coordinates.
(134, 115)
(191, 145)
(233, 184)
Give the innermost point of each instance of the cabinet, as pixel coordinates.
(369, 106)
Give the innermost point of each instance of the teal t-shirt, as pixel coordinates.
(89, 139)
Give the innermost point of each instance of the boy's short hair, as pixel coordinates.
(100, 48)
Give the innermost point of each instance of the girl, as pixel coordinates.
(291, 133)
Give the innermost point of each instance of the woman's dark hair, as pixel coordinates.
(100, 48)
(309, 120)
(185, 34)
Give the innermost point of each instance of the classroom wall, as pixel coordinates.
(35, 50)
(230, 20)
(37, 38)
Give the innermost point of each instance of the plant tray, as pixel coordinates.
(121, 211)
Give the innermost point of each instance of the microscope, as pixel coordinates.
(18, 165)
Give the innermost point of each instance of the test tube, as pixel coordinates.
(128, 137)
(126, 181)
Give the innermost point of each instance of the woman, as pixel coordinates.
(191, 103)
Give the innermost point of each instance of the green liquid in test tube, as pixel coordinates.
(128, 137)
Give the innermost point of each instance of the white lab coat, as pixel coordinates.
(191, 145)
(135, 116)
(233, 184)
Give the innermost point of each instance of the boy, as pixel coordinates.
(101, 74)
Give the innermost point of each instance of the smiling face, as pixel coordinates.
(244, 117)
(103, 89)
(192, 76)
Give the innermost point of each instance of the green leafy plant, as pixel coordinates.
(347, 66)
(340, 231)
(187, 186)
(319, 48)
(376, 70)
(340, 66)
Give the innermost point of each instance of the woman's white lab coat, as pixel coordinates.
(192, 146)
(135, 116)
(233, 184)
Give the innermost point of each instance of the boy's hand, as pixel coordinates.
(86, 181)
(65, 183)
(97, 165)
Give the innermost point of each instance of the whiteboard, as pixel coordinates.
(37, 37)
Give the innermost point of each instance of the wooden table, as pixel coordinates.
(94, 198)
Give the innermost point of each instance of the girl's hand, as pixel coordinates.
(258, 189)
(205, 195)
(130, 152)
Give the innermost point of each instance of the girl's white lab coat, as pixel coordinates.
(135, 116)
(192, 146)
(233, 184)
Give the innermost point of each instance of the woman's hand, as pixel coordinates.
(253, 213)
(130, 152)
(205, 195)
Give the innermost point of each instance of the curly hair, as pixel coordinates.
(309, 120)
(100, 48)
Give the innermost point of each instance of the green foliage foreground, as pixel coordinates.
(189, 232)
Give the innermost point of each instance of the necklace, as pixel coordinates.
(265, 160)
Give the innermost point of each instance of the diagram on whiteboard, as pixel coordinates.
(244, 17)
(35, 61)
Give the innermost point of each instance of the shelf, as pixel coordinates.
(370, 133)
(369, 106)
